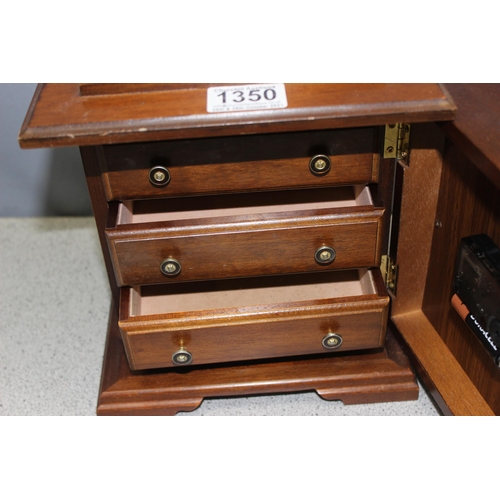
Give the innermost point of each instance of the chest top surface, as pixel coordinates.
(95, 114)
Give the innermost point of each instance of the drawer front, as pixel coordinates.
(155, 338)
(236, 164)
(251, 245)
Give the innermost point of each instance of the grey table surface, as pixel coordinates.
(53, 320)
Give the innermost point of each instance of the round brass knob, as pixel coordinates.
(332, 341)
(170, 267)
(182, 357)
(159, 176)
(320, 165)
(324, 255)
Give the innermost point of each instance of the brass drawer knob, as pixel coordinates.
(324, 255)
(320, 165)
(332, 341)
(170, 267)
(182, 357)
(159, 176)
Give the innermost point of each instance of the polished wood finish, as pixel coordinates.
(373, 376)
(476, 209)
(449, 190)
(242, 163)
(270, 242)
(91, 159)
(61, 116)
(442, 199)
(476, 130)
(123, 130)
(446, 381)
(256, 327)
(127, 88)
(420, 190)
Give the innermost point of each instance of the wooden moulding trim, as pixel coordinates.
(63, 117)
(196, 126)
(373, 302)
(163, 407)
(31, 110)
(127, 88)
(450, 381)
(228, 225)
(221, 318)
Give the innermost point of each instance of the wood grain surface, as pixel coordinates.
(247, 245)
(444, 198)
(448, 383)
(469, 204)
(124, 130)
(257, 330)
(241, 163)
(61, 116)
(373, 376)
(476, 128)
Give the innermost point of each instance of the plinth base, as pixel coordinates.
(369, 377)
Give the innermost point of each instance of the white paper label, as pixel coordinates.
(246, 97)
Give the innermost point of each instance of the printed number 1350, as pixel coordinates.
(253, 95)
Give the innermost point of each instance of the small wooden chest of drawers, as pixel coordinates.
(257, 208)
(252, 234)
(246, 245)
(187, 228)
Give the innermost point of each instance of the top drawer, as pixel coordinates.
(241, 163)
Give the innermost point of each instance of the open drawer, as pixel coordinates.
(253, 318)
(217, 237)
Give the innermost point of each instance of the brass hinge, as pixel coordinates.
(397, 141)
(389, 271)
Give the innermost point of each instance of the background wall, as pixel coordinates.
(36, 182)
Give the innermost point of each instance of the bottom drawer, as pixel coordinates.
(255, 318)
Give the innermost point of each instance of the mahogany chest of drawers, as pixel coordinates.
(244, 248)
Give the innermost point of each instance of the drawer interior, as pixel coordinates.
(142, 211)
(253, 292)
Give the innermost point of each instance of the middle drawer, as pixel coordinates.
(216, 237)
